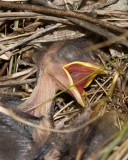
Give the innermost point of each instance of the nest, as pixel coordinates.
(26, 27)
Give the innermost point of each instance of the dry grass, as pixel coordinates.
(21, 31)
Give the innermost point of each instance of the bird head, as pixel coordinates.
(65, 66)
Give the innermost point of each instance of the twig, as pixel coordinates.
(15, 75)
(15, 37)
(17, 94)
(29, 74)
(42, 9)
(22, 62)
(108, 42)
(98, 30)
(35, 35)
(17, 82)
(4, 67)
(22, 15)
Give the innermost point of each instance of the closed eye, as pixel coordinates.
(69, 53)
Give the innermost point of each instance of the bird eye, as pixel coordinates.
(69, 53)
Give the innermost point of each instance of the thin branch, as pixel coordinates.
(26, 40)
(17, 82)
(57, 12)
(99, 30)
(16, 75)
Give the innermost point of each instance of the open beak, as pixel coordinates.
(80, 75)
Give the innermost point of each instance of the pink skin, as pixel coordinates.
(51, 79)
(48, 83)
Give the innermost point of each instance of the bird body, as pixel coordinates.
(66, 66)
